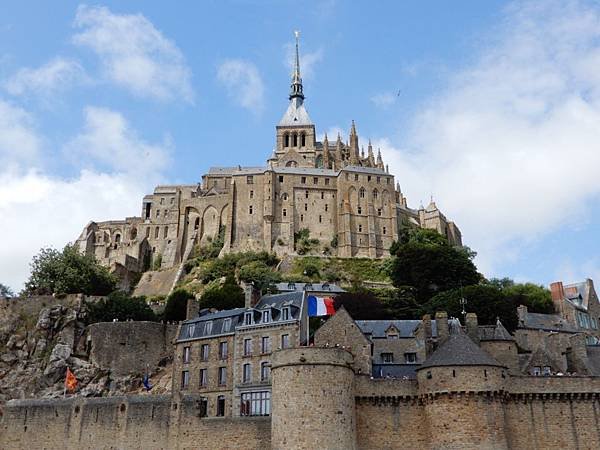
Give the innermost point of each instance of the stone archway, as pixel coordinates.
(211, 220)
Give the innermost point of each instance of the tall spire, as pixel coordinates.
(296, 91)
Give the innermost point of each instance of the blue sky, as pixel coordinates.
(497, 114)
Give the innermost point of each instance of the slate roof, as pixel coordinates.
(395, 370)
(295, 115)
(406, 328)
(236, 170)
(459, 350)
(361, 169)
(548, 322)
(494, 332)
(306, 171)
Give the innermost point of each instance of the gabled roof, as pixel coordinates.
(406, 328)
(295, 115)
(494, 332)
(459, 350)
(548, 322)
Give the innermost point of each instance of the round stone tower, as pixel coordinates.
(462, 390)
(312, 399)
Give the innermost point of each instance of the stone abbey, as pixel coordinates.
(345, 198)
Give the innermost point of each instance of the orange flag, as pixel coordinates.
(70, 381)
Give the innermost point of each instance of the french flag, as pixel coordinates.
(320, 306)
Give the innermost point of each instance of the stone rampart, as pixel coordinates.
(132, 422)
(127, 347)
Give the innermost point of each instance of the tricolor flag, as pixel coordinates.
(320, 306)
(70, 381)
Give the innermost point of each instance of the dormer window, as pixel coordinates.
(208, 327)
(292, 285)
(191, 329)
(285, 313)
(326, 286)
(226, 325)
(308, 287)
(266, 316)
(248, 318)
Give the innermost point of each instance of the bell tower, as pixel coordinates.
(296, 140)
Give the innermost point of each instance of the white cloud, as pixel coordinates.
(384, 99)
(134, 54)
(39, 209)
(243, 83)
(55, 75)
(510, 148)
(108, 141)
(19, 143)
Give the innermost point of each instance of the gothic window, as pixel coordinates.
(196, 223)
(148, 232)
(295, 140)
(286, 140)
(361, 193)
(375, 193)
(303, 140)
(117, 238)
(166, 232)
(133, 234)
(156, 231)
(319, 161)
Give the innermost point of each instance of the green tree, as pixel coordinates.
(5, 291)
(226, 296)
(260, 275)
(487, 301)
(429, 265)
(176, 307)
(68, 272)
(118, 305)
(537, 298)
(400, 303)
(362, 304)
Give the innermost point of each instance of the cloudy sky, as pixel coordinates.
(492, 108)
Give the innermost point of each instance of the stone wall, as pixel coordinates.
(148, 422)
(128, 347)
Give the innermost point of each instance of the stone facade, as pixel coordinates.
(347, 200)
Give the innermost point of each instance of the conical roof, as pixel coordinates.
(459, 350)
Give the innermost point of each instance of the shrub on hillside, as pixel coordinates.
(176, 307)
(118, 305)
(226, 296)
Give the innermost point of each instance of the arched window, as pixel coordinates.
(197, 223)
(303, 140)
(133, 233)
(156, 231)
(284, 196)
(295, 140)
(319, 161)
(166, 232)
(375, 193)
(117, 238)
(291, 164)
(286, 140)
(361, 193)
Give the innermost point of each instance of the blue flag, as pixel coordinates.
(146, 382)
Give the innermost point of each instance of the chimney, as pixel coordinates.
(557, 291)
(251, 295)
(472, 327)
(522, 313)
(427, 335)
(192, 308)
(441, 321)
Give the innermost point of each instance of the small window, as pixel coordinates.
(306, 207)
(281, 178)
(249, 179)
(361, 193)
(326, 207)
(248, 318)
(251, 194)
(379, 211)
(326, 181)
(250, 209)
(157, 213)
(320, 219)
(186, 355)
(266, 316)
(322, 195)
(315, 180)
(375, 193)
(359, 210)
(247, 347)
(172, 200)
(156, 231)
(303, 180)
(203, 378)
(222, 376)
(360, 228)
(223, 350)
(378, 180)
(547, 371)
(537, 371)
(410, 358)
(305, 194)
(429, 375)
(285, 341)
(166, 232)
(355, 177)
(226, 325)
(284, 196)
(387, 180)
(247, 373)
(265, 344)
(204, 352)
(220, 406)
(285, 313)
(284, 212)
(265, 371)
(369, 178)
(387, 358)
(203, 407)
(301, 217)
(162, 201)
(384, 230)
(185, 379)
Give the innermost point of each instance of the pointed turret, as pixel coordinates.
(353, 145)
(379, 159)
(326, 152)
(371, 156)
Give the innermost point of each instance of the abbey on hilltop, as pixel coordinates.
(346, 199)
